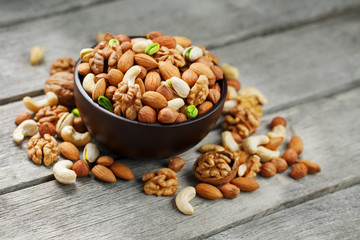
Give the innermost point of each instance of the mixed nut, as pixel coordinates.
(159, 78)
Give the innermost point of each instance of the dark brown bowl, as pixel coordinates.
(143, 140)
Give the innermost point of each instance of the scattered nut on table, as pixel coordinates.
(161, 182)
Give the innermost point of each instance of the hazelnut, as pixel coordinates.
(154, 34)
(190, 77)
(181, 118)
(290, 156)
(147, 115)
(22, 117)
(123, 38)
(167, 115)
(299, 170)
(205, 107)
(280, 164)
(115, 77)
(78, 125)
(229, 190)
(125, 46)
(81, 168)
(268, 170)
(47, 127)
(277, 121)
(213, 96)
(84, 69)
(165, 91)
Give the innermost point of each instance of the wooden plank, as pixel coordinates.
(68, 33)
(334, 216)
(121, 210)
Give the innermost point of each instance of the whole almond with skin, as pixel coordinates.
(81, 168)
(147, 115)
(202, 69)
(69, 150)
(245, 184)
(274, 143)
(181, 118)
(115, 76)
(290, 156)
(299, 170)
(103, 173)
(176, 164)
(190, 77)
(154, 100)
(105, 161)
(280, 164)
(165, 91)
(152, 81)
(122, 171)
(126, 61)
(229, 190)
(165, 41)
(47, 128)
(102, 75)
(205, 107)
(99, 89)
(213, 96)
(123, 38)
(145, 60)
(183, 41)
(154, 34)
(141, 84)
(312, 167)
(22, 117)
(167, 115)
(216, 87)
(205, 60)
(167, 70)
(217, 72)
(208, 191)
(84, 69)
(234, 83)
(297, 144)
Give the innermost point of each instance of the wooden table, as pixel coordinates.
(303, 55)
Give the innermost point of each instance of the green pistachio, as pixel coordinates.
(152, 48)
(187, 53)
(113, 41)
(191, 111)
(105, 103)
(75, 112)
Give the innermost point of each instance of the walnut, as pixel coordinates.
(43, 149)
(252, 167)
(62, 84)
(101, 54)
(63, 64)
(216, 167)
(127, 100)
(172, 56)
(161, 183)
(199, 91)
(50, 114)
(114, 56)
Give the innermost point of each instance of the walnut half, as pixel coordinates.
(43, 149)
(162, 182)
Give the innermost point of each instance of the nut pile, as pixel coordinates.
(159, 78)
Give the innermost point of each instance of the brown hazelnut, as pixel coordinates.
(165, 91)
(81, 168)
(290, 156)
(268, 169)
(147, 115)
(115, 76)
(154, 34)
(22, 117)
(47, 127)
(277, 121)
(123, 38)
(280, 164)
(84, 69)
(181, 118)
(229, 190)
(299, 170)
(125, 46)
(213, 96)
(79, 125)
(205, 107)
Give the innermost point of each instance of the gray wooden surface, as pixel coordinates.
(303, 55)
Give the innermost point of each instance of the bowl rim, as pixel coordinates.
(216, 106)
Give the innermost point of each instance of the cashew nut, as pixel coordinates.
(91, 153)
(140, 46)
(89, 83)
(131, 75)
(251, 91)
(69, 134)
(65, 120)
(230, 71)
(176, 103)
(233, 94)
(63, 173)
(49, 100)
(211, 147)
(229, 142)
(277, 131)
(251, 144)
(228, 105)
(266, 154)
(183, 198)
(134, 40)
(26, 128)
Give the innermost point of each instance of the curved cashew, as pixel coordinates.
(26, 128)
(183, 198)
(63, 173)
(266, 154)
(89, 83)
(211, 147)
(69, 134)
(65, 120)
(230, 71)
(251, 91)
(131, 75)
(140, 46)
(233, 94)
(251, 143)
(91, 153)
(277, 131)
(228, 105)
(229, 142)
(176, 103)
(49, 100)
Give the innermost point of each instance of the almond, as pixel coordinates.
(280, 164)
(190, 77)
(176, 164)
(109, 92)
(100, 76)
(183, 41)
(167, 70)
(234, 83)
(154, 100)
(165, 41)
(105, 160)
(122, 171)
(22, 117)
(115, 76)
(217, 72)
(297, 144)
(205, 60)
(145, 60)
(126, 61)
(152, 81)
(208, 191)
(103, 173)
(68, 150)
(143, 72)
(147, 115)
(154, 34)
(84, 69)
(277, 121)
(274, 143)
(165, 91)
(236, 137)
(229, 190)
(141, 84)
(312, 167)
(205, 107)
(81, 168)
(47, 128)
(299, 170)
(202, 69)
(290, 156)
(213, 96)
(99, 89)
(125, 46)
(245, 184)
(123, 38)
(167, 115)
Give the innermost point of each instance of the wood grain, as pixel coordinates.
(66, 34)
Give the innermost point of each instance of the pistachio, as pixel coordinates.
(113, 41)
(140, 46)
(192, 53)
(91, 153)
(105, 103)
(86, 54)
(179, 86)
(152, 48)
(75, 112)
(191, 111)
